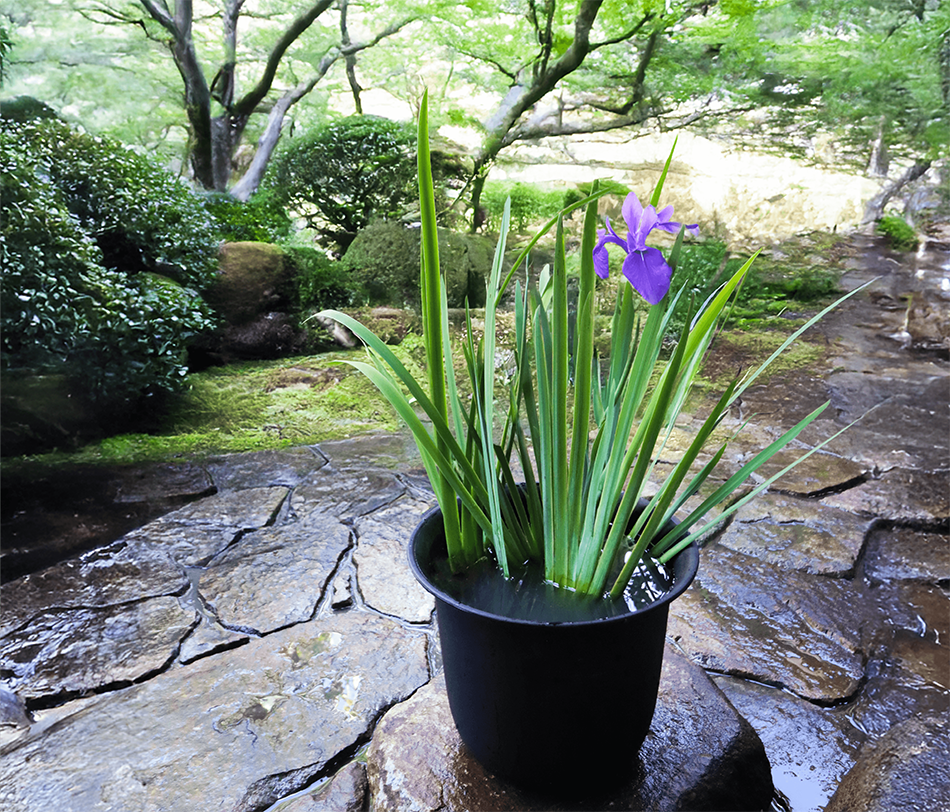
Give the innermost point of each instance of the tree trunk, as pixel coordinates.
(879, 162)
(875, 207)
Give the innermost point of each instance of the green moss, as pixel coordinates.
(258, 405)
(744, 349)
(902, 237)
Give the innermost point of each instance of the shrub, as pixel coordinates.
(321, 282)
(345, 174)
(901, 236)
(263, 218)
(384, 259)
(103, 254)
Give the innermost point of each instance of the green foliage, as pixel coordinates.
(901, 236)
(582, 190)
(263, 218)
(530, 205)
(345, 174)
(138, 337)
(384, 259)
(321, 282)
(703, 266)
(102, 253)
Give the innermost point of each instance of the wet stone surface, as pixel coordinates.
(697, 750)
(249, 637)
(810, 748)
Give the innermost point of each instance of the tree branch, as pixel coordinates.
(161, 15)
(249, 102)
(636, 93)
(875, 207)
(629, 34)
(247, 185)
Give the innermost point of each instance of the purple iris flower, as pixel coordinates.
(644, 267)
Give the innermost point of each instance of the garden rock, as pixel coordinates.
(265, 337)
(906, 769)
(701, 755)
(252, 279)
(345, 792)
(254, 295)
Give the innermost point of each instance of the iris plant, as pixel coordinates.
(578, 515)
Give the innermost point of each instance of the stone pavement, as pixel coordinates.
(265, 646)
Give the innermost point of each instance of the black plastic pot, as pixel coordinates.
(562, 707)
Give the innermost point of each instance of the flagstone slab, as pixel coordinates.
(192, 535)
(799, 534)
(116, 573)
(282, 467)
(381, 557)
(236, 731)
(902, 553)
(274, 577)
(746, 618)
(346, 494)
(163, 483)
(810, 748)
(819, 472)
(71, 651)
(900, 495)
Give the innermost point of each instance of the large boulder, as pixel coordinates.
(905, 769)
(253, 279)
(254, 294)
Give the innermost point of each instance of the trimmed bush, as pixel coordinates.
(103, 256)
(321, 282)
(384, 259)
(530, 205)
(344, 175)
(263, 218)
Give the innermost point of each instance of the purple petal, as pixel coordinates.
(601, 259)
(632, 212)
(665, 222)
(637, 240)
(649, 274)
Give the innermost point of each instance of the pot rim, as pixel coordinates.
(679, 586)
